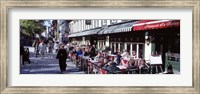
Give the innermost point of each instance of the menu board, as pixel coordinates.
(155, 59)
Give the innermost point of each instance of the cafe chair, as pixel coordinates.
(95, 69)
(117, 72)
(133, 71)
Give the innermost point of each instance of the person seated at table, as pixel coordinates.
(86, 53)
(112, 68)
(124, 62)
(92, 51)
(78, 51)
(83, 51)
(107, 48)
(125, 53)
(105, 62)
(115, 69)
(117, 58)
(141, 63)
(97, 57)
(134, 55)
(131, 65)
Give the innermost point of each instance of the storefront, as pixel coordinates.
(116, 35)
(161, 37)
(132, 42)
(101, 42)
(86, 37)
(142, 38)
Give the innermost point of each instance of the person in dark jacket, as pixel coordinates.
(93, 51)
(62, 56)
(26, 55)
(22, 54)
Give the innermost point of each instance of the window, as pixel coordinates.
(96, 23)
(104, 22)
(88, 22)
(113, 21)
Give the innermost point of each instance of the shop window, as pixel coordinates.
(121, 47)
(88, 22)
(133, 51)
(141, 51)
(112, 47)
(117, 48)
(104, 22)
(96, 23)
(119, 39)
(128, 48)
(113, 21)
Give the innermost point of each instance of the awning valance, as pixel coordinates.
(155, 24)
(72, 35)
(109, 29)
(89, 32)
(117, 28)
(125, 27)
(86, 32)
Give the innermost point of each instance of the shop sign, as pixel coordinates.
(157, 25)
(162, 25)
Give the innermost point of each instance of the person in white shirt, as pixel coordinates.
(56, 47)
(42, 49)
(50, 47)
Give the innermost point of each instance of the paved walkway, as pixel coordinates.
(46, 65)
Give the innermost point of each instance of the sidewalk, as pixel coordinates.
(46, 65)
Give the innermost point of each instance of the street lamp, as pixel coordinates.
(147, 38)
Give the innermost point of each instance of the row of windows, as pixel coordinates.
(80, 25)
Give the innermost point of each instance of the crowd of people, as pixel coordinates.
(105, 60)
(89, 58)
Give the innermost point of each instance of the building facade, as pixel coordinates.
(77, 26)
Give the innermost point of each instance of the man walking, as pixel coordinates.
(62, 56)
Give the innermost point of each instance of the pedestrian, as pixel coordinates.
(50, 47)
(62, 56)
(26, 55)
(56, 46)
(42, 49)
(37, 47)
(22, 54)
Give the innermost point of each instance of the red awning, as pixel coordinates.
(155, 24)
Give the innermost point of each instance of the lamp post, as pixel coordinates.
(147, 38)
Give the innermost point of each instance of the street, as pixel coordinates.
(46, 65)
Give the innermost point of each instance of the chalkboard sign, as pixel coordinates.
(155, 59)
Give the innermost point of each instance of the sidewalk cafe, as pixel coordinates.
(137, 47)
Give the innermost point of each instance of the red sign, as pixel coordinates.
(156, 25)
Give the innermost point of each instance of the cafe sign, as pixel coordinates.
(158, 25)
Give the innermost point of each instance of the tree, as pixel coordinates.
(31, 27)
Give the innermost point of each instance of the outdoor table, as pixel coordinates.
(92, 64)
(122, 68)
(79, 59)
(84, 61)
(103, 71)
(111, 56)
